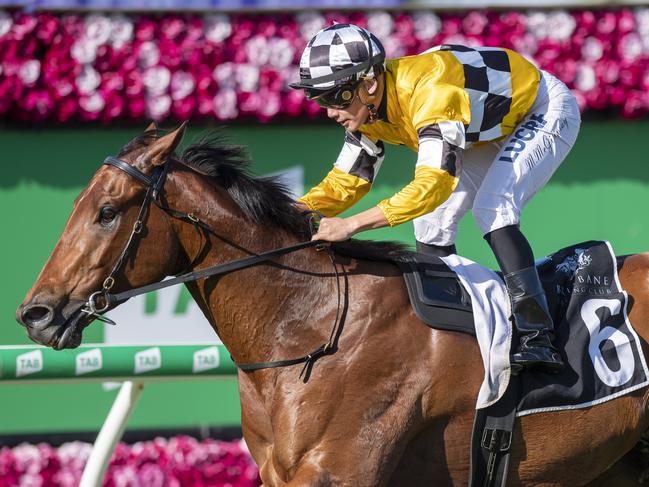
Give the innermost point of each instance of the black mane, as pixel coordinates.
(266, 201)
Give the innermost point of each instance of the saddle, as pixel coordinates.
(436, 294)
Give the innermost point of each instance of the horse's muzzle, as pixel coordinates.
(51, 327)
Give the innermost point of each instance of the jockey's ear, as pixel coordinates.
(163, 147)
(152, 126)
(372, 86)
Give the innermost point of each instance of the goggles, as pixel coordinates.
(338, 97)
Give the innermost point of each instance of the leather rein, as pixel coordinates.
(154, 185)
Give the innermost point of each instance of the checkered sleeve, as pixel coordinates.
(351, 177)
(436, 174)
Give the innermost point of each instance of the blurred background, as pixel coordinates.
(79, 78)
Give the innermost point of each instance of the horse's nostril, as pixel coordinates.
(37, 315)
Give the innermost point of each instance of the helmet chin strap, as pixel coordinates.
(373, 113)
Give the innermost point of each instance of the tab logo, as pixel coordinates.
(206, 359)
(29, 363)
(88, 361)
(147, 360)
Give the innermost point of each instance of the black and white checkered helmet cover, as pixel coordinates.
(339, 47)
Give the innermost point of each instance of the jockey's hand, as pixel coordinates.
(334, 230)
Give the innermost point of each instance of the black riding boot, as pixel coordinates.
(436, 250)
(529, 305)
(533, 322)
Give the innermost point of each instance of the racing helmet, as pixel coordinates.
(340, 55)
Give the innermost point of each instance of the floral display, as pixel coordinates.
(178, 462)
(114, 67)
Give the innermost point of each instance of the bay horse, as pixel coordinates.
(392, 405)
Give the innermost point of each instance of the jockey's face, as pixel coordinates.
(350, 117)
(356, 114)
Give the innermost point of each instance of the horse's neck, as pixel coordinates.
(264, 312)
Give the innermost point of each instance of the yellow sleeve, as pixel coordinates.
(430, 188)
(337, 192)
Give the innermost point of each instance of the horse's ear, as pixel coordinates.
(163, 147)
(152, 126)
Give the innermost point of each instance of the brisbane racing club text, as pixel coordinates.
(525, 133)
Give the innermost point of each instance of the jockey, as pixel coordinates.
(489, 129)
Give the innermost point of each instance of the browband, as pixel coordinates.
(127, 168)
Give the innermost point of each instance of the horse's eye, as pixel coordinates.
(107, 215)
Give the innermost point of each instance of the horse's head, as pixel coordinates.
(96, 234)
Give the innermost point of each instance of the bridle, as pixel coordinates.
(155, 184)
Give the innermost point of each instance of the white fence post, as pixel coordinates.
(110, 433)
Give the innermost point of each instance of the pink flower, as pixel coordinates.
(380, 23)
(133, 84)
(585, 78)
(183, 109)
(6, 21)
(592, 49)
(607, 23)
(121, 31)
(309, 23)
(91, 106)
(635, 105)
(217, 28)
(88, 80)
(171, 27)
(626, 21)
(135, 108)
(47, 28)
(271, 105)
(157, 107)
(247, 77)
(474, 23)
(145, 29)
(182, 84)
(29, 72)
(170, 54)
(225, 104)
(114, 107)
(97, 29)
(629, 47)
(281, 52)
(66, 109)
(257, 50)
(156, 80)
(83, 51)
(561, 25)
(23, 26)
(148, 54)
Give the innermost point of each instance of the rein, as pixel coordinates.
(154, 185)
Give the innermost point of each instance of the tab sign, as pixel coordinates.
(147, 360)
(29, 363)
(206, 359)
(89, 361)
